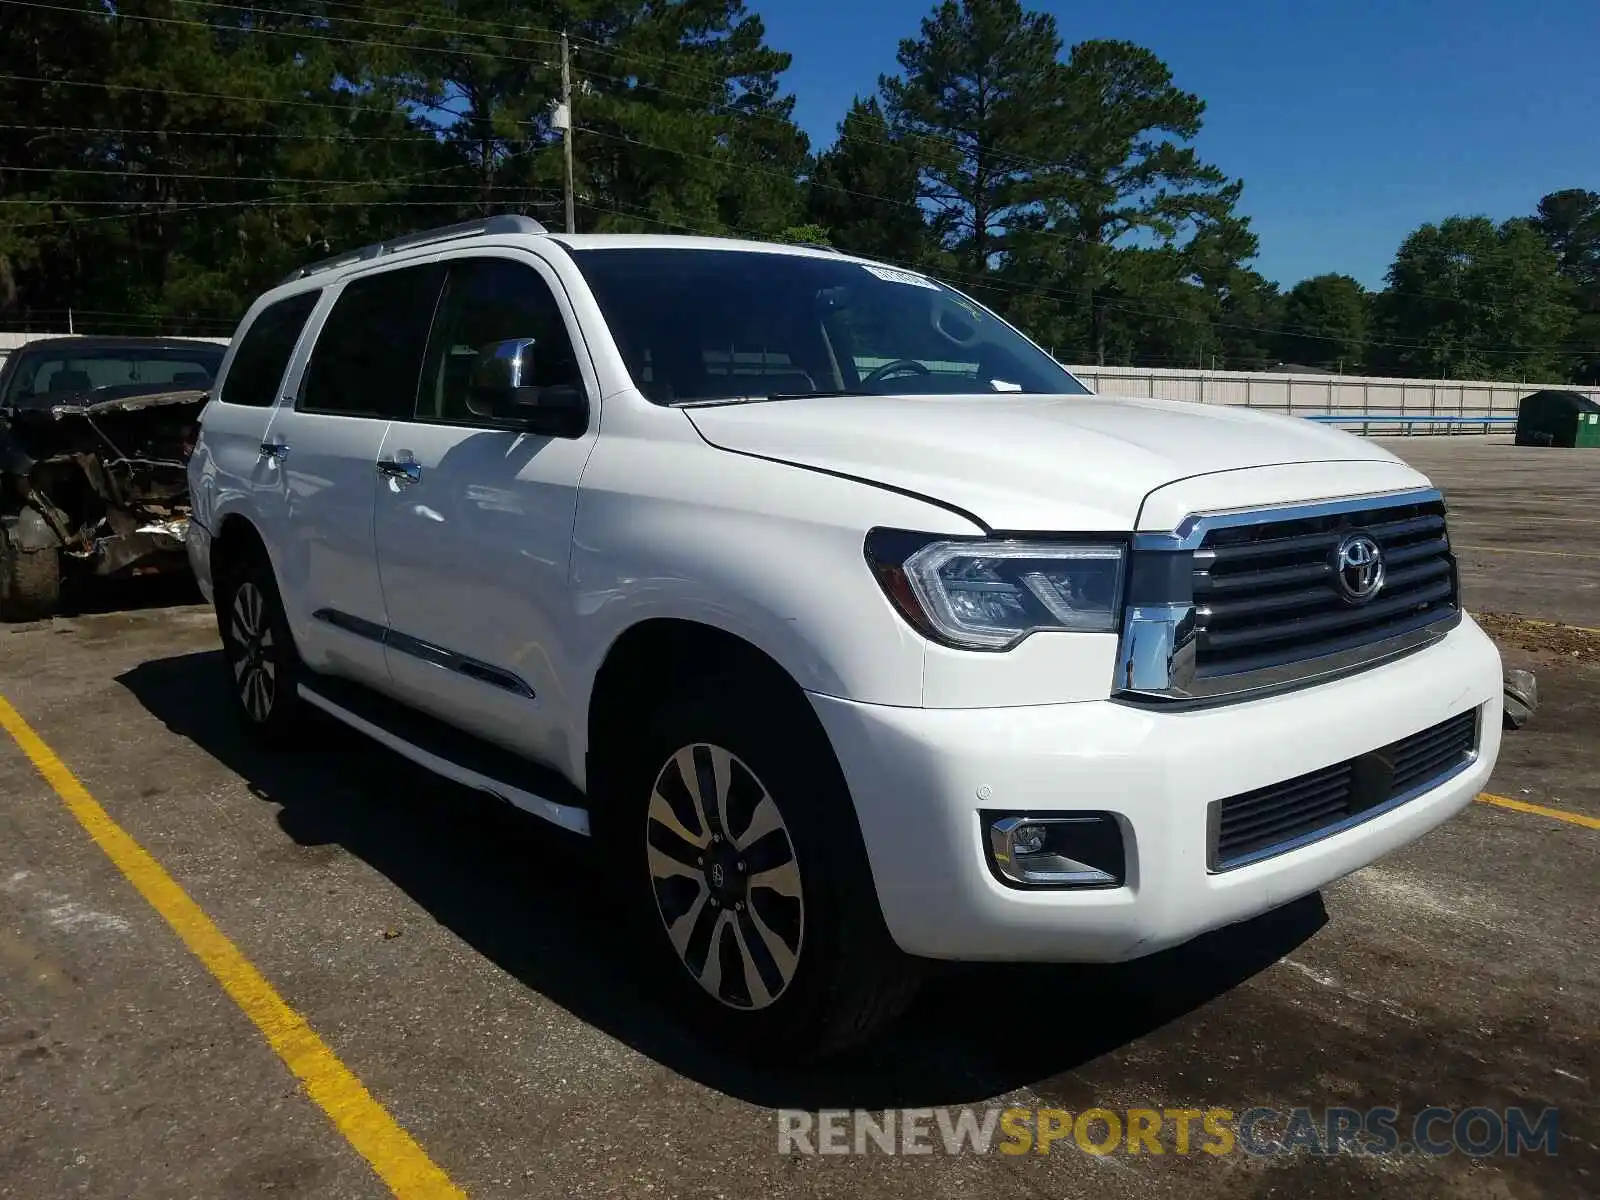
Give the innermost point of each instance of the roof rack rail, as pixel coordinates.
(499, 223)
(819, 246)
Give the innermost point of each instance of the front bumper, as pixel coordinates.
(920, 777)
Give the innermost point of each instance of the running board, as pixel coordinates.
(572, 817)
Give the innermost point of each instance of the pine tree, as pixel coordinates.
(864, 190)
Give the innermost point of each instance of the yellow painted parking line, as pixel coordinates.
(1539, 810)
(1525, 550)
(365, 1124)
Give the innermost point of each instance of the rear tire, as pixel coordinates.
(30, 581)
(749, 878)
(263, 666)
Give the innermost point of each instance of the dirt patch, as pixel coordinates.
(1567, 641)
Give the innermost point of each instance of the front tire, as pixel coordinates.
(30, 581)
(751, 879)
(264, 669)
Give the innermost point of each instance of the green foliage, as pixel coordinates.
(1327, 319)
(162, 161)
(1470, 299)
(865, 190)
(968, 107)
(1569, 222)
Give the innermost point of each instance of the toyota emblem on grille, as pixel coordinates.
(1358, 568)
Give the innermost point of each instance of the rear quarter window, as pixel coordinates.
(263, 354)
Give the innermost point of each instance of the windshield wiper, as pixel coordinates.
(712, 401)
(818, 395)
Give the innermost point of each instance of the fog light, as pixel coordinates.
(1028, 839)
(1061, 850)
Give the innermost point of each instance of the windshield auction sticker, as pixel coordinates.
(890, 275)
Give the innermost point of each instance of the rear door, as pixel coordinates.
(361, 373)
(474, 522)
(228, 466)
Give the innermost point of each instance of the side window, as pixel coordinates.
(367, 356)
(489, 300)
(263, 354)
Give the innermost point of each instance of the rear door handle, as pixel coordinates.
(277, 450)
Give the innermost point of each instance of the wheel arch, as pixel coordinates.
(634, 673)
(235, 543)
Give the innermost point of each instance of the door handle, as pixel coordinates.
(402, 468)
(277, 450)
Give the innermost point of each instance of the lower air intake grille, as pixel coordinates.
(1255, 825)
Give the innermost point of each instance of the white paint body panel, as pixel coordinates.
(915, 774)
(1027, 462)
(315, 511)
(534, 556)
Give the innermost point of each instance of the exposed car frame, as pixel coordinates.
(93, 483)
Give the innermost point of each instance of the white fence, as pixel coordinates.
(1426, 405)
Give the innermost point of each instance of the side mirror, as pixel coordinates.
(501, 386)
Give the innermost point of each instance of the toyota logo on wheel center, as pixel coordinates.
(1358, 568)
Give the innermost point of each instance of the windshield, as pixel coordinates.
(51, 376)
(722, 324)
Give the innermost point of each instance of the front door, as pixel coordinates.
(474, 518)
(323, 453)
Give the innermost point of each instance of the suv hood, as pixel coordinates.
(1039, 462)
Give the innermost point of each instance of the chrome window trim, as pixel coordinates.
(1213, 810)
(1156, 649)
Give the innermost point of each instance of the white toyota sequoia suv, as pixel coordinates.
(854, 628)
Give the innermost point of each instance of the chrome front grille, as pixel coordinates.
(1267, 595)
(1255, 825)
(1236, 604)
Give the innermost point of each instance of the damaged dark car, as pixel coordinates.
(95, 435)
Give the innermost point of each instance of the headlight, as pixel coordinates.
(988, 595)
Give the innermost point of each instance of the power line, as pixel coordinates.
(744, 168)
(421, 138)
(631, 84)
(261, 202)
(121, 172)
(408, 27)
(297, 33)
(1020, 288)
(615, 52)
(163, 91)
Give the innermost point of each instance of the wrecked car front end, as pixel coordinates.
(100, 482)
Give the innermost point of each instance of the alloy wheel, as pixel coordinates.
(252, 652)
(725, 876)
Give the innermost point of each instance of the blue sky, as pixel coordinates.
(1350, 122)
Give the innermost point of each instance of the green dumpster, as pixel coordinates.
(1558, 418)
(1588, 430)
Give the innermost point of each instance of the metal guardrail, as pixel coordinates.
(1453, 423)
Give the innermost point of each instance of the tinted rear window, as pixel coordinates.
(263, 354)
(369, 353)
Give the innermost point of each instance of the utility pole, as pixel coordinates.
(566, 136)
